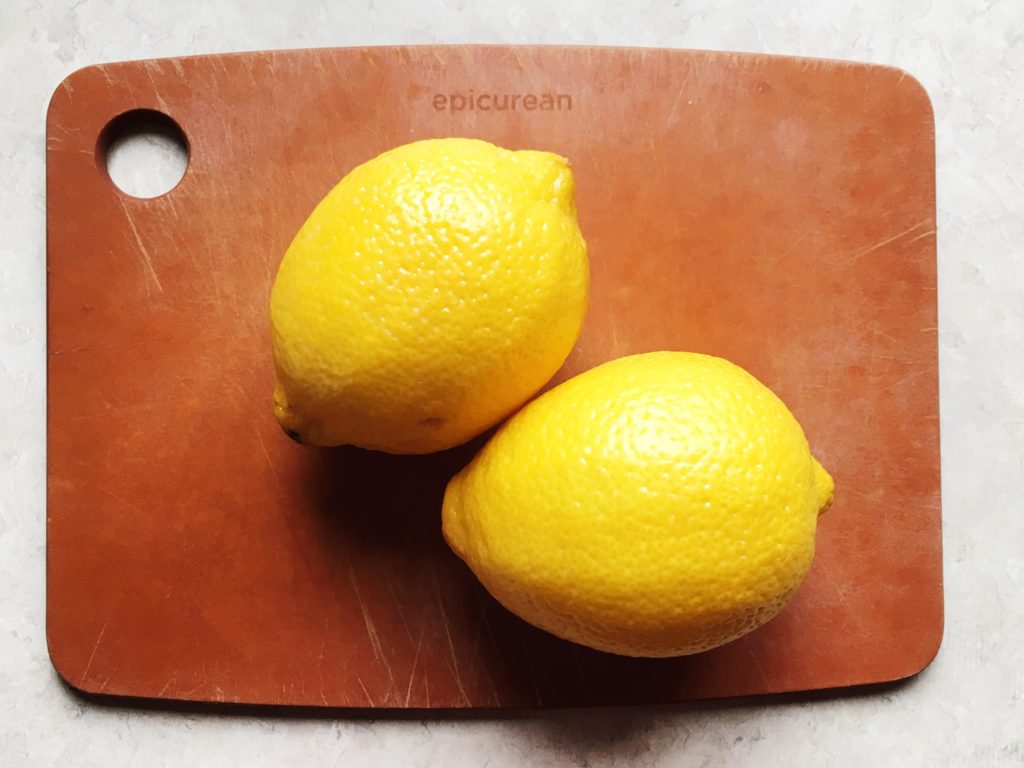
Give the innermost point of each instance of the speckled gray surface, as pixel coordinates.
(966, 709)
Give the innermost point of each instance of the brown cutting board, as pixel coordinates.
(779, 212)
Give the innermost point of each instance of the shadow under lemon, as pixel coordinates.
(421, 628)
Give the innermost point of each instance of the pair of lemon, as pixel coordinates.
(657, 505)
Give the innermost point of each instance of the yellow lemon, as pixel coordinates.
(657, 505)
(433, 291)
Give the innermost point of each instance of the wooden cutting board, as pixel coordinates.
(779, 212)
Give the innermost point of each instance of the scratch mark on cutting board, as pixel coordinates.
(320, 661)
(172, 679)
(877, 332)
(59, 352)
(401, 613)
(617, 345)
(851, 489)
(156, 88)
(115, 497)
(366, 693)
(146, 260)
(923, 235)
(323, 644)
(202, 684)
(392, 688)
(451, 645)
(103, 685)
(892, 238)
(95, 647)
(412, 675)
(908, 378)
(277, 477)
(65, 130)
(758, 667)
(371, 630)
(842, 598)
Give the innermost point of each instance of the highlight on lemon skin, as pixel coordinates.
(658, 505)
(431, 293)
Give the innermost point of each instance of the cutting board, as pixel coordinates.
(778, 212)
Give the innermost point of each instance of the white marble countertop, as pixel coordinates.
(966, 709)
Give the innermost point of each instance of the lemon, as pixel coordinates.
(658, 505)
(430, 293)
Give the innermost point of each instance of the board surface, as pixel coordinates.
(777, 212)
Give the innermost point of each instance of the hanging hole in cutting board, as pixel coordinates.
(145, 153)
